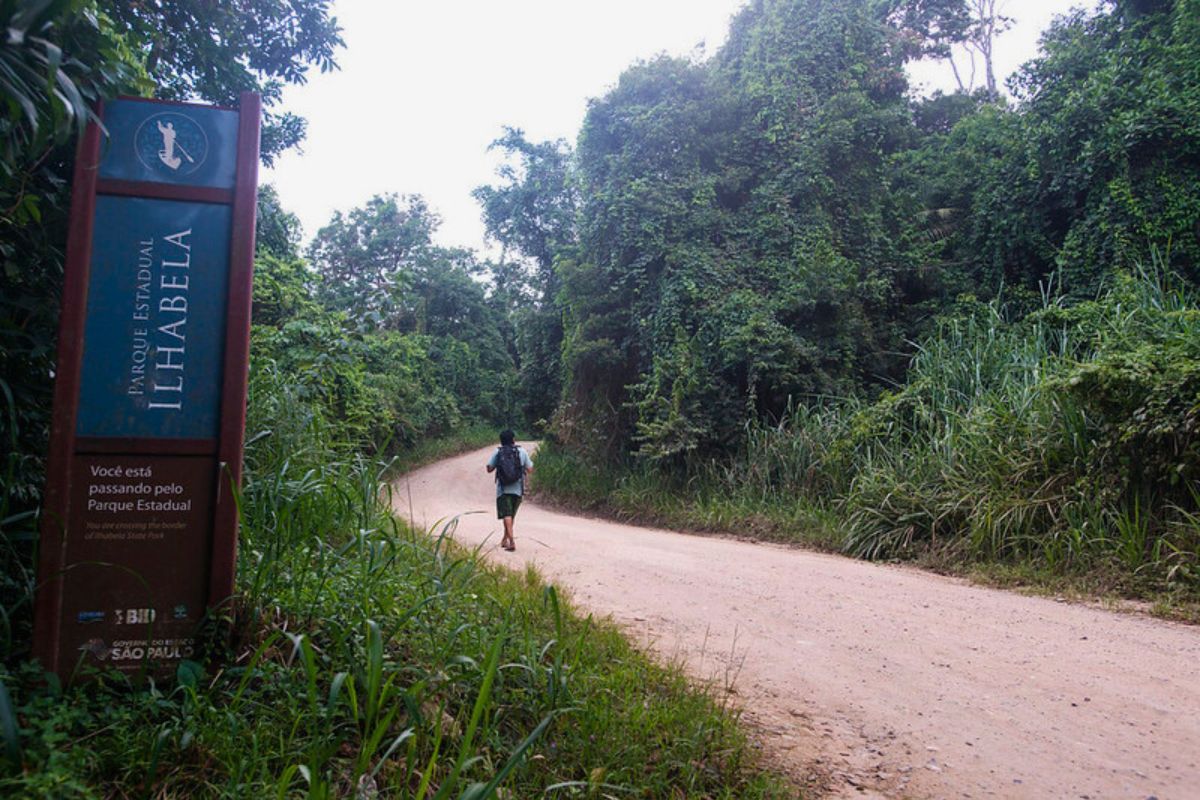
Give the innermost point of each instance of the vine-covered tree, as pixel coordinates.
(742, 242)
(1098, 162)
(532, 215)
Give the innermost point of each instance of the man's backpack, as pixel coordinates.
(509, 468)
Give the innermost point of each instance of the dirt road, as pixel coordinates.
(890, 681)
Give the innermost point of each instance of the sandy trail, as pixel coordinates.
(888, 681)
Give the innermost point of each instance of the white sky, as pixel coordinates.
(426, 85)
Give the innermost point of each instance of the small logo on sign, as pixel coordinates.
(180, 611)
(171, 144)
(96, 647)
(90, 616)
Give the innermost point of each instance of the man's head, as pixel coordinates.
(506, 438)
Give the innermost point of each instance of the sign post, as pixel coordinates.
(139, 531)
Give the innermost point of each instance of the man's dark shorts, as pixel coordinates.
(507, 505)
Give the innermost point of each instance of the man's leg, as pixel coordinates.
(506, 510)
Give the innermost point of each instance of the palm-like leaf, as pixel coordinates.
(57, 57)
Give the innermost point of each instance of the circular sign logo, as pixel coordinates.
(171, 144)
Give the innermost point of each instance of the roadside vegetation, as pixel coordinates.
(371, 660)
(1055, 449)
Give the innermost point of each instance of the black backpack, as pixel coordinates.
(509, 468)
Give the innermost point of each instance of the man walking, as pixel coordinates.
(511, 464)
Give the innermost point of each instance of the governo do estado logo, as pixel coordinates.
(171, 143)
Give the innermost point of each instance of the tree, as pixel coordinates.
(533, 211)
(277, 230)
(1098, 163)
(532, 214)
(927, 28)
(282, 290)
(56, 61)
(978, 39)
(201, 50)
(744, 237)
(365, 256)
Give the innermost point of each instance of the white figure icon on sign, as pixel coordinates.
(170, 146)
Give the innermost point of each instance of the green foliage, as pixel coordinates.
(367, 256)
(533, 211)
(781, 221)
(1096, 164)
(377, 390)
(927, 28)
(1066, 438)
(57, 59)
(282, 290)
(741, 240)
(405, 342)
(277, 231)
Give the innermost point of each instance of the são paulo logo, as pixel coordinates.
(170, 143)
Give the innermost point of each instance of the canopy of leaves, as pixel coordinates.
(1100, 159)
(56, 60)
(377, 280)
(363, 256)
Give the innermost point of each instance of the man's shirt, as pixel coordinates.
(517, 488)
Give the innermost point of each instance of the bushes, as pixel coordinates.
(382, 388)
(1077, 427)
(379, 390)
(1012, 438)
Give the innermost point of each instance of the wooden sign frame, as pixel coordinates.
(69, 451)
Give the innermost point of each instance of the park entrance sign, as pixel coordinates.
(139, 530)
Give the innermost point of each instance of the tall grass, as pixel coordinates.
(371, 660)
(18, 532)
(1068, 440)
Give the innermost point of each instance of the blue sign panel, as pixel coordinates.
(188, 145)
(154, 337)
